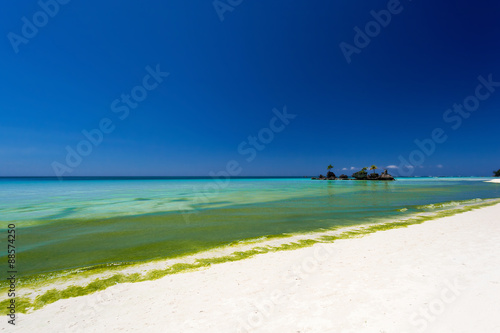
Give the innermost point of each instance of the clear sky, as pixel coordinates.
(73, 71)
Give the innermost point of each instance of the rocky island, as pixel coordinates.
(360, 175)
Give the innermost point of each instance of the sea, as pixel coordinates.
(90, 222)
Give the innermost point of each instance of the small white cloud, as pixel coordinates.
(439, 166)
(344, 169)
(392, 167)
(409, 166)
(353, 168)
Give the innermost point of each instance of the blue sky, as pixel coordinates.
(226, 77)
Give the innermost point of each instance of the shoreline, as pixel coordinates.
(82, 281)
(142, 223)
(246, 266)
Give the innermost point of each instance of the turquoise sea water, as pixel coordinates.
(81, 223)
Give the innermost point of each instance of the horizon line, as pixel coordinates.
(233, 177)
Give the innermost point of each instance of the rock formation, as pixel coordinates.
(386, 176)
(360, 175)
(330, 176)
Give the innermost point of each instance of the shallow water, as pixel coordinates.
(80, 223)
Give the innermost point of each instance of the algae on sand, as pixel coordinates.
(25, 304)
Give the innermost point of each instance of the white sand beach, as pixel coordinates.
(439, 276)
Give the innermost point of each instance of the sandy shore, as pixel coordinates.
(439, 276)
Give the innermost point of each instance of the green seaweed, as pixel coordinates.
(25, 305)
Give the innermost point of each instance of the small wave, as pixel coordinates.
(179, 199)
(450, 204)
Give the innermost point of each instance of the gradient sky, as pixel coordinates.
(227, 76)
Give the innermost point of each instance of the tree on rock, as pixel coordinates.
(360, 175)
